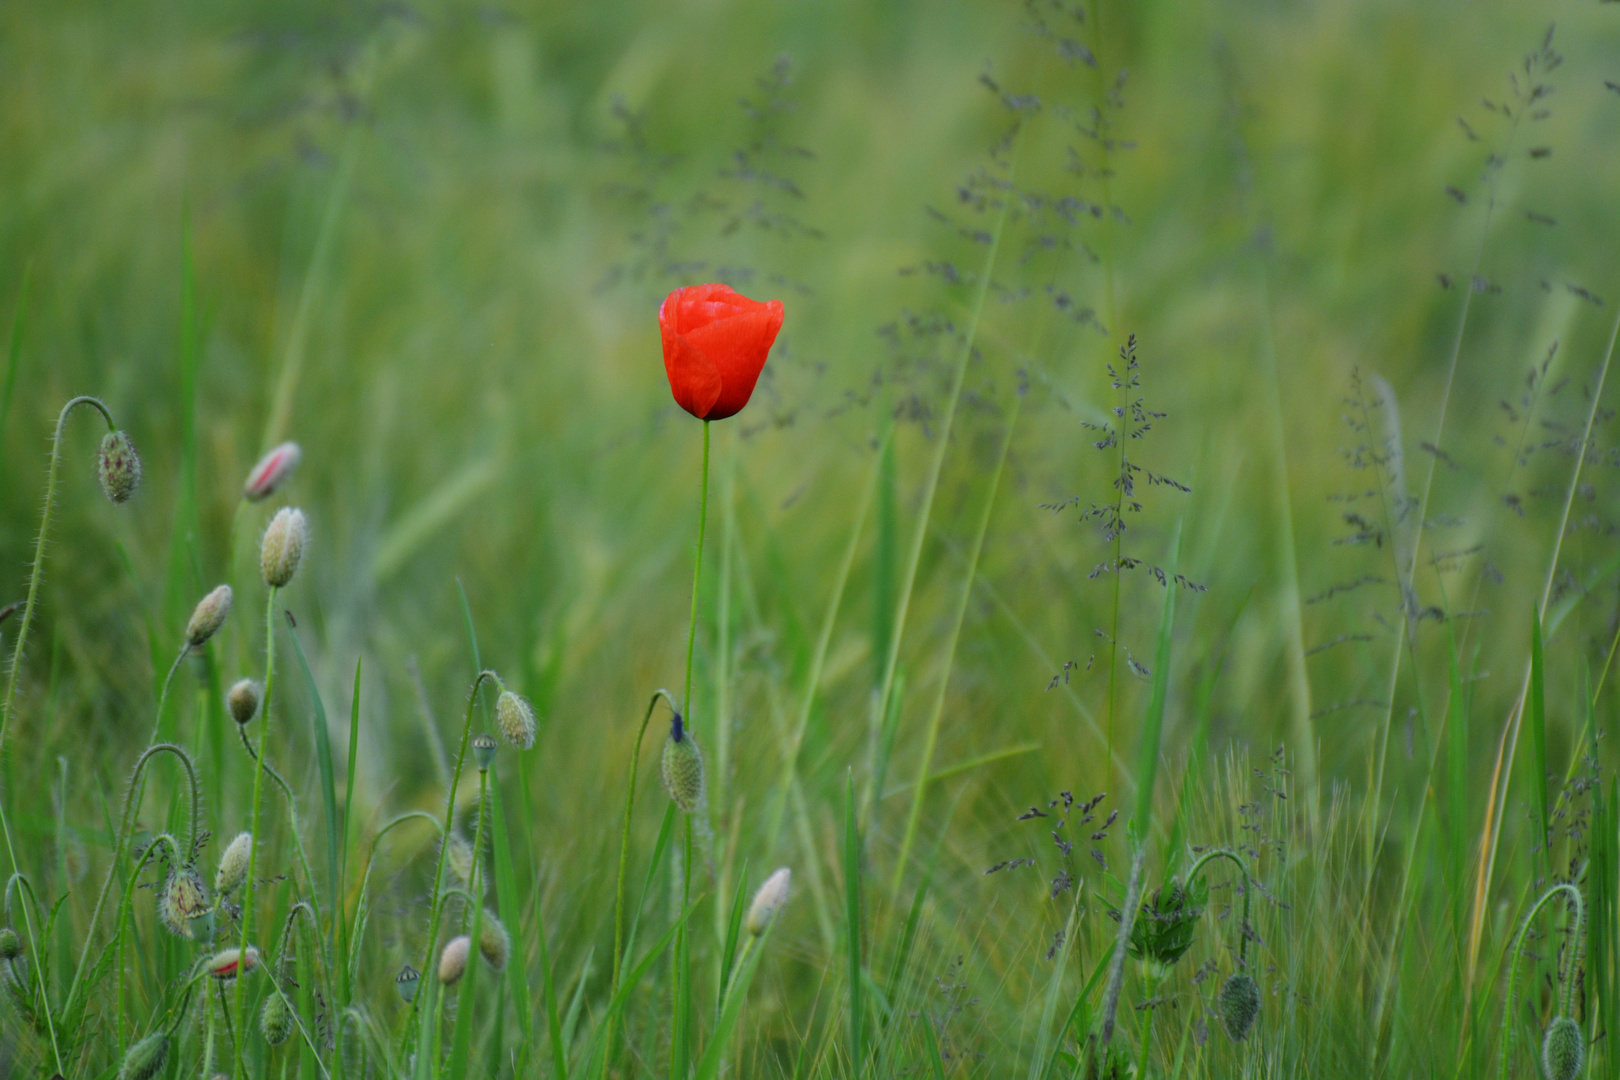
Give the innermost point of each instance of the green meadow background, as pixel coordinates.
(428, 242)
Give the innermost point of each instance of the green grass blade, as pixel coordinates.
(548, 988)
(714, 1054)
(728, 953)
(323, 758)
(1538, 733)
(507, 904)
(1457, 798)
(8, 388)
(852, 924)
(632, 978)
(340, 910)
(1045, 1037)
(1147, 766)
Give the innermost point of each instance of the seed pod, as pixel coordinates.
(227, 963)
(233, 864)
(243, 700)
(118, 466)
(1238, 1003)
(283, 546)
(271, 472)
(493, 941)
(1563, 1051)
(145, 1059)
(406, 983)
(683, 768)
(515, 717)
(183, 898)
(275, 1019)
(208, 616)
(483, 748)
(769, 900)
(453, 961)
(10, 944)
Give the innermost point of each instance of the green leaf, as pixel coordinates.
(323, 757)
(1538, 730)
(852, 917)
(1147, 765)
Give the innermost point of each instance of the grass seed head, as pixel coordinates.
(768, 900)
(209, 616)
(483, 748)
(1238, 1003)
(493, 941)
(145, 1059)
(118, 466)
(406, 982)
(515, 718)
(283, 546)
(1563, 1052)
(233, 864)
(243, 700)
(184, 898)
(275, 1019)
(271, 472)
(453, 961)
(682, 768)
(10, 944)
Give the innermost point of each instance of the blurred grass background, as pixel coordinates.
(429, 242)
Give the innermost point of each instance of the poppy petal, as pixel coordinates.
(693, 379)
(738, 347)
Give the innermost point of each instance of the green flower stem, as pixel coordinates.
(27, 621)
(437, 906)
(697, 567)
(19, 879)
(292, 820)
(248, 887)
(1567, 983)
(161, 841)
(1248, 887)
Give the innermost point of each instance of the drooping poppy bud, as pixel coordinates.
(228, 963)
(183, 899)
(118, 467)
(769, 900)
(1563, 1051)
(515, 717)
(715, 345)
(682, 767)
(275, 1019)
(10, 944)
(208, 616)
(271, 472)
(145, 1059)
(283, 546)
(1238, 1003)
(453, 961)
(233, 864)
(493, 941)
(243, 700)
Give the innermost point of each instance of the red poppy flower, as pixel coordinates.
(715, 344)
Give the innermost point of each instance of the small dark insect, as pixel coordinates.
(292, 622)
(1444, 279)
(1456, 194)
(7, 611)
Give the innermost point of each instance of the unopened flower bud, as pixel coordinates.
(769, 900)
(493, 941)
(10, 944)
(406, 983)
(228, 963)
(243, 700)
(183, 898)
(275, 1019)
(453, 961)
(145, 1059)
(271, 472)
(118, 466)
(233, 864)
(683, 768)
(459, 855)
(1563, 1051)
(515, 717)
(283, 546)
(483, 748)
(208, 616)
(1238, 1003)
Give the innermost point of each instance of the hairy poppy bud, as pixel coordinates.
(283, 546)
(769, 900)
(1238, 1003)
(243, 700)
(483, 748)
(271, 472)
(145, 1059)
(233, 864)
(275, 1019)
(208, 616)
(183, 898)
(10, 944)
(459, 854)
(118, 467)
(406, 983)
(715, 345)
(493, 941)
(683, 768)
(453, 961)
(228, 963)
(515, 717)
(1563, 1051)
